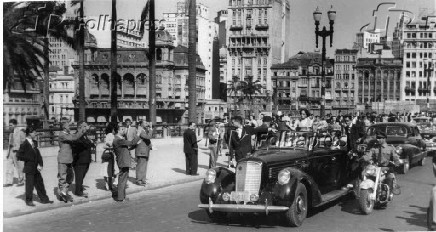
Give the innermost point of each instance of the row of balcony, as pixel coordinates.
(409, 90)
(260, 45)
(239, 27)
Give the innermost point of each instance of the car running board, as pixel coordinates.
(333, 195)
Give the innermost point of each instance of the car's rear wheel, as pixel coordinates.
(298, 210)
(365, 202)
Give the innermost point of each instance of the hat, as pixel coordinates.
(380, 135)
(266, 119)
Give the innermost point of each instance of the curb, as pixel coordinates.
(44, 208)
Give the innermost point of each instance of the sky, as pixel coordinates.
(350, 17)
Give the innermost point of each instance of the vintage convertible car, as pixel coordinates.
(405, 137)
(289, 178)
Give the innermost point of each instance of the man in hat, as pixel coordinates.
(382, 154)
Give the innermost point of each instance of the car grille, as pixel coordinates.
(248, 176)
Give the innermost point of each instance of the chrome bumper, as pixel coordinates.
(235, 208)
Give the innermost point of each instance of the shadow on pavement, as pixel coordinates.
(350, 205)
(417, 218)
(23, 197)
(384, 229)
(100, 184)
(178, 170)
(239, 220)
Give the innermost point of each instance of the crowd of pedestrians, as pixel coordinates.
(126, 147)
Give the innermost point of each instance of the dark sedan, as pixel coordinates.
(405, 137)
(289, 179)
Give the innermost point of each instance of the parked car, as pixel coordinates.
(288, 179)
(405, 137)
(430, 142)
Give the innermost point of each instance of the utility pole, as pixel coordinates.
(114, 74)
(81, 67)
(152, 65)
(192, 61)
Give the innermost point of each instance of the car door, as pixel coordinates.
(325, 169)
(416, 140)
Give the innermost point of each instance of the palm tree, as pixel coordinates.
(27, 26)
(114, 74)
(249, 89)
(192, 61)
(152, 61)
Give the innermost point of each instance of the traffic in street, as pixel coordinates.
(175, 208)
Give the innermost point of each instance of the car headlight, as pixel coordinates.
(284, 176)
(210, 176)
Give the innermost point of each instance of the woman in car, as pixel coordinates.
(304, 123)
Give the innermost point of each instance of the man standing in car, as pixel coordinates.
(240, 141)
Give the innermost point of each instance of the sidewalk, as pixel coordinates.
(166, 167)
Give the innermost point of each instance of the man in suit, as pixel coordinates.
(33, 164)
(142, 152)
(82, 158)
(65, 160)
(121, 149)
(240, 141)
(131, 133)
(16, 138)
(190, 148)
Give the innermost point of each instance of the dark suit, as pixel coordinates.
(190, 148)
(81, 160)
(32, 158)
(241, 145)
(142, 152)
(121, 149)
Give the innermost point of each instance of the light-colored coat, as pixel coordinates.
(142, 149)
(65, 155)
(16, 138)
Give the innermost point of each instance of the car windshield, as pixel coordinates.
(389, 130)
(418, 120)
(396, 131)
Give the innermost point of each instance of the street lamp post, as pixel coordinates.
(323, 34)
(429, 69)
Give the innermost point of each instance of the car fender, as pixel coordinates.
(224, 181)
(367, 184)
(285, 194)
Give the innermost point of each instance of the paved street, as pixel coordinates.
(174, 208)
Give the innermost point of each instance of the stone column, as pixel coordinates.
(389, 85)
(369, 87)
(382, 93)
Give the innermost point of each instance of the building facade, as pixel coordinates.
(345, 80)
(61, 55)
(379, 79)
(419, 42)
(22, 105)
(297, 84)
(133, 83)
(61, 94)
(258, 36)
(177, 24)
(132, 39)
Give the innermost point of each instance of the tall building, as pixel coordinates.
(178, 27)
(419, 42)
(258, 36)
(345, 79)
(297, 84)
(132, 39)
(133, 88)
(61, 55)
(365, 38)
(61, 94)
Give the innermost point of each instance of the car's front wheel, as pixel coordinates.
(298, 210)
